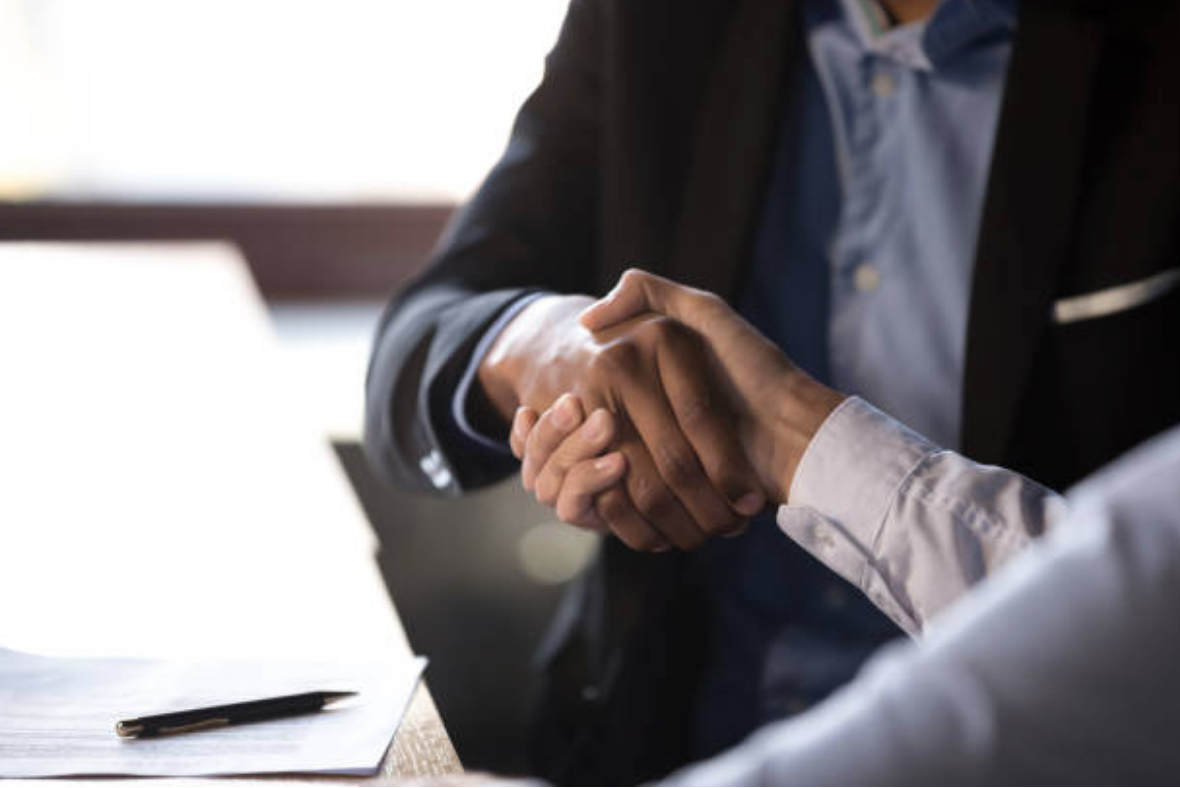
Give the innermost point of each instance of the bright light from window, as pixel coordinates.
(332, 100)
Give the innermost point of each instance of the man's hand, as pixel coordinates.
(779, 406)
(562, 459)
(687, 476)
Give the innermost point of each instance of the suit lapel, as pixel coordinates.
(734, 143)
(1027, 217)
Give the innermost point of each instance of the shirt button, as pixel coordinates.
(883, 84)
(866, 277)
(824, 539)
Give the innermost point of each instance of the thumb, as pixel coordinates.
(637, 292)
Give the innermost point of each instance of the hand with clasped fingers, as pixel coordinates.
(669, 419)
(567, 457)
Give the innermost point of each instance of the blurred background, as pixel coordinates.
(328, 140)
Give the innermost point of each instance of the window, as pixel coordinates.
(329, 101)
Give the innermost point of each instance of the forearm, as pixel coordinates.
(793, 410)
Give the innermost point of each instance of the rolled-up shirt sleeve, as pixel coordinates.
(913, 526)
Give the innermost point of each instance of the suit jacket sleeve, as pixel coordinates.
(531, 226)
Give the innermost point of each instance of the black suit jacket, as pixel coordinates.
(648, 142)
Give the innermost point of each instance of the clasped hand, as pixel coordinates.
(678, 422)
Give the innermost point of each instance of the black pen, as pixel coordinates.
(227, 714)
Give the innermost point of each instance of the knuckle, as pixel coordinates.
(574, 450)
(546, 432)
(527, 473)
(534, 443)
(546, 490)
(660, 329)
(678, 467)
(671, 331)
(567, 512)
(725, 461)
(613, 506)
(633, 276)
(695, 409)
(652, 497)
(620, 357)
(709, 300)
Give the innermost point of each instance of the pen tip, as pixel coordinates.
(127, 729)
(332, 697)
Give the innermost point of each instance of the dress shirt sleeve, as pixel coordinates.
(911, 525)
(1059, 669)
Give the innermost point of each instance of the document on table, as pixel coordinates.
(57, 716)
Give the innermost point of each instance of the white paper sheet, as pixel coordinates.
(57, 716)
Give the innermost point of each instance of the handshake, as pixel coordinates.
(656, 413)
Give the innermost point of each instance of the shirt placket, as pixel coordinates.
(859, 268)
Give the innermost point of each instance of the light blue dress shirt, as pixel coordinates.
(861, 272)
(883, 199)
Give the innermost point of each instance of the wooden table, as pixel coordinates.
(160, 493)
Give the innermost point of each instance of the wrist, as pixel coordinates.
(496, 374)
(526, 346)
(798, 409)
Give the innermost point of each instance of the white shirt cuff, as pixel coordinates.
(843, 490)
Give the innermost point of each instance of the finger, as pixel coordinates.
(590, 522)
(741, 528)
(628, 298)
(522, 424)
(658, 503)
(698, 403)
(639, 291)
(747, 357)
(586, 442)
(551, 429)
(614, 508)
(585, 480)
(674, 460)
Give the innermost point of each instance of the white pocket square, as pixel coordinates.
(1115, 299)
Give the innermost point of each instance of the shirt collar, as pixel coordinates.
(952, 27)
